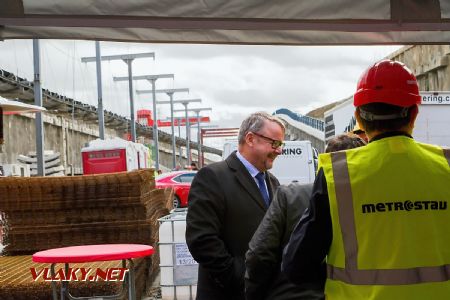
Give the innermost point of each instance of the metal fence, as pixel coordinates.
(312, 122)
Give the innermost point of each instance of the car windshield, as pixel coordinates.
(185, 178)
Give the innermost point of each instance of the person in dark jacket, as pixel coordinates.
(226, 204)
(263, 277)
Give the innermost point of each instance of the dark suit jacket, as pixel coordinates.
(225, 208)
(263, 277)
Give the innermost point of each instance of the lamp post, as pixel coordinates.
(185, 102)
(179, 133)
(152, 79)
(199, 144)
(179, 119)
(101, 120)
(128, 59)
(170, 93)
(38, 102)
(201, 162)
(197, 111)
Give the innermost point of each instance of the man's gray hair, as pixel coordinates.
(255, 122)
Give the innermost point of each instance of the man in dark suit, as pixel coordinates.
(227, 201)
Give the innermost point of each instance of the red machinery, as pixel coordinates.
(144, 117)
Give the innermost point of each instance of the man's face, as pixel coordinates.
(261, 150)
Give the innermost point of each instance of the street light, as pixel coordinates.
(179, 134)
(201, 162)
(38, 102)
(170, 93)
(128, 59)
(199, 144)
(100, 115)
(197, 111)
(152, 79)
(185, 102)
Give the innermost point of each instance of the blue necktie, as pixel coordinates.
(262, 187)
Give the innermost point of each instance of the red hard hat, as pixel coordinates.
(388, 82)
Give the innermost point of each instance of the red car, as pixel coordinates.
(180, 181)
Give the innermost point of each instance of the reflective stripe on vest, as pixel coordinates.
(350, 274)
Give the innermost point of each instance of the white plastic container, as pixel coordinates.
(15, 170)
(179, 271)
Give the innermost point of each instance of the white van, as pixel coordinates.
(297, 163)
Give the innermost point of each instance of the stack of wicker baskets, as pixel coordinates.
(49, 212)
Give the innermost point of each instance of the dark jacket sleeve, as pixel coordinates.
(203, 229)
(264, 249)
(304, 255)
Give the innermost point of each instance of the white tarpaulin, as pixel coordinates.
(12, 107)
(8, 107)
(288, 22)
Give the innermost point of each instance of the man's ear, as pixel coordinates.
(414, 111)
(249, 138)
(358, 119)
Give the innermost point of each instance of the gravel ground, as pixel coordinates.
(154, 294)
(154, 291)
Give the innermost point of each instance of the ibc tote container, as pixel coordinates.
(179, 270)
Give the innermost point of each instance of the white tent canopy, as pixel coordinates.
(272, 22)
(11, 107)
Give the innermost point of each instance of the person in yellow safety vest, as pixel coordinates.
(379, 214)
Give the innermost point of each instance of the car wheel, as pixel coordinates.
(176, 202)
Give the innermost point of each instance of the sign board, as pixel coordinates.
(435, 97)
(182, 255)
(185, 268)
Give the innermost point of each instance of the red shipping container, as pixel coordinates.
(104, 161)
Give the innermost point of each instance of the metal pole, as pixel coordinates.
(188, 150)
(155, 126)
(180, 157)
(128, 59)
(130, 86)
(174, 163)
(38, 102)
(198, 138)
(203, 154)
(1, 130)
(101, 120)
(169, 93)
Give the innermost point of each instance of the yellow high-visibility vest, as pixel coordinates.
(390, 210)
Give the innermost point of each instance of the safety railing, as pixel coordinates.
(312, 122)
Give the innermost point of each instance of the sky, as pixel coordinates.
(233, 80)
